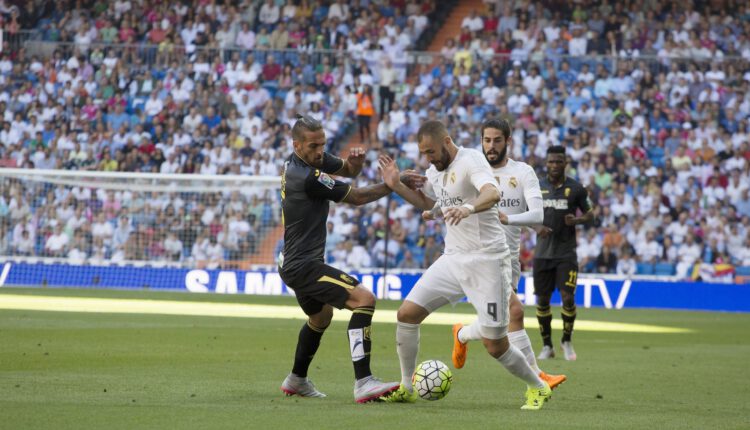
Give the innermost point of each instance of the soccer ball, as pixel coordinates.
(432, 380)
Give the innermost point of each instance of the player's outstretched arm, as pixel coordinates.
(393, 180)
(368, 194)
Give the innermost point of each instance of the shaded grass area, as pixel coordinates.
(76, 370)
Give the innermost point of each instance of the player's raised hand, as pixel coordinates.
(454, 215)
(389, 171)
(356, 157)
(412, 179)
(503, 218)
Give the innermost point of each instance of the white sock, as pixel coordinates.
(407, 346)
(520, 339)
(516, 364)
(469, 332)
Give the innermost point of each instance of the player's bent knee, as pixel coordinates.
(360, 297)
(411, 313)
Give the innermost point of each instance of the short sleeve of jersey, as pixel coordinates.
(583, 201)
(479, 171)
(331, 163)
(321, 186)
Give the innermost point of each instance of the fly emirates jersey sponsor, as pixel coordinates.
(457, 185)
(518, 185)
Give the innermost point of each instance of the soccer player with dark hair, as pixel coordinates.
(555, 258)
(520, 206)
(476, 263)
(306, 189)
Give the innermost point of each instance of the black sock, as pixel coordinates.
(360, 326)
(544, 316)
(569, 318)
(307, 346)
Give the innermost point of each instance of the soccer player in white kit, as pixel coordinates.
(475, 264)
(520, 206)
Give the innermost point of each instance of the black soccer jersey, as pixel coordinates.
(558, 202)
(305, 192)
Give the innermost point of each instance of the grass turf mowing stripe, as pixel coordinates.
(238, 310)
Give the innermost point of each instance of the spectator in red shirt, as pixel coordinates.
(271, 70)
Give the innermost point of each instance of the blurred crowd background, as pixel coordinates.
(650, 98)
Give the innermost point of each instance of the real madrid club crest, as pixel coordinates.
(453, 177)
(567, 192)
(513, 182)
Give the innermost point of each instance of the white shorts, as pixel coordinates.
(482, 278)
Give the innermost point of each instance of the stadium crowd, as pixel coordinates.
(651, 101)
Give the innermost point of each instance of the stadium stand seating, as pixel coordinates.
(652, 104)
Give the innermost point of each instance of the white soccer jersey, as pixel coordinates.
(457, 185)
(519, 190)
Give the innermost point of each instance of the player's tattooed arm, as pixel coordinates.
(392, 178)
(368, 194)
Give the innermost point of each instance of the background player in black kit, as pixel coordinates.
(306, 189)
(555, 257)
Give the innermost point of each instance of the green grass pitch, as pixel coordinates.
(106, 371)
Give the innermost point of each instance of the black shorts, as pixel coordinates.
(551, 273)
(317, 284)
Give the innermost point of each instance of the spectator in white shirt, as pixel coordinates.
(339, 10)
(533, 81)
(102, 229)
(517, 101)
(473, 22)
(689, 254)
(625, 264)
(269, 13)
(23, 244)
(357, 256)
(214, 253)
(678, 229)
(56, 245)
(578, 44)
(154, 105)
(649, 250)
(245, 37)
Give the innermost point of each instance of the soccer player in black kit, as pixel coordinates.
(306, 189)
(555, 257)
